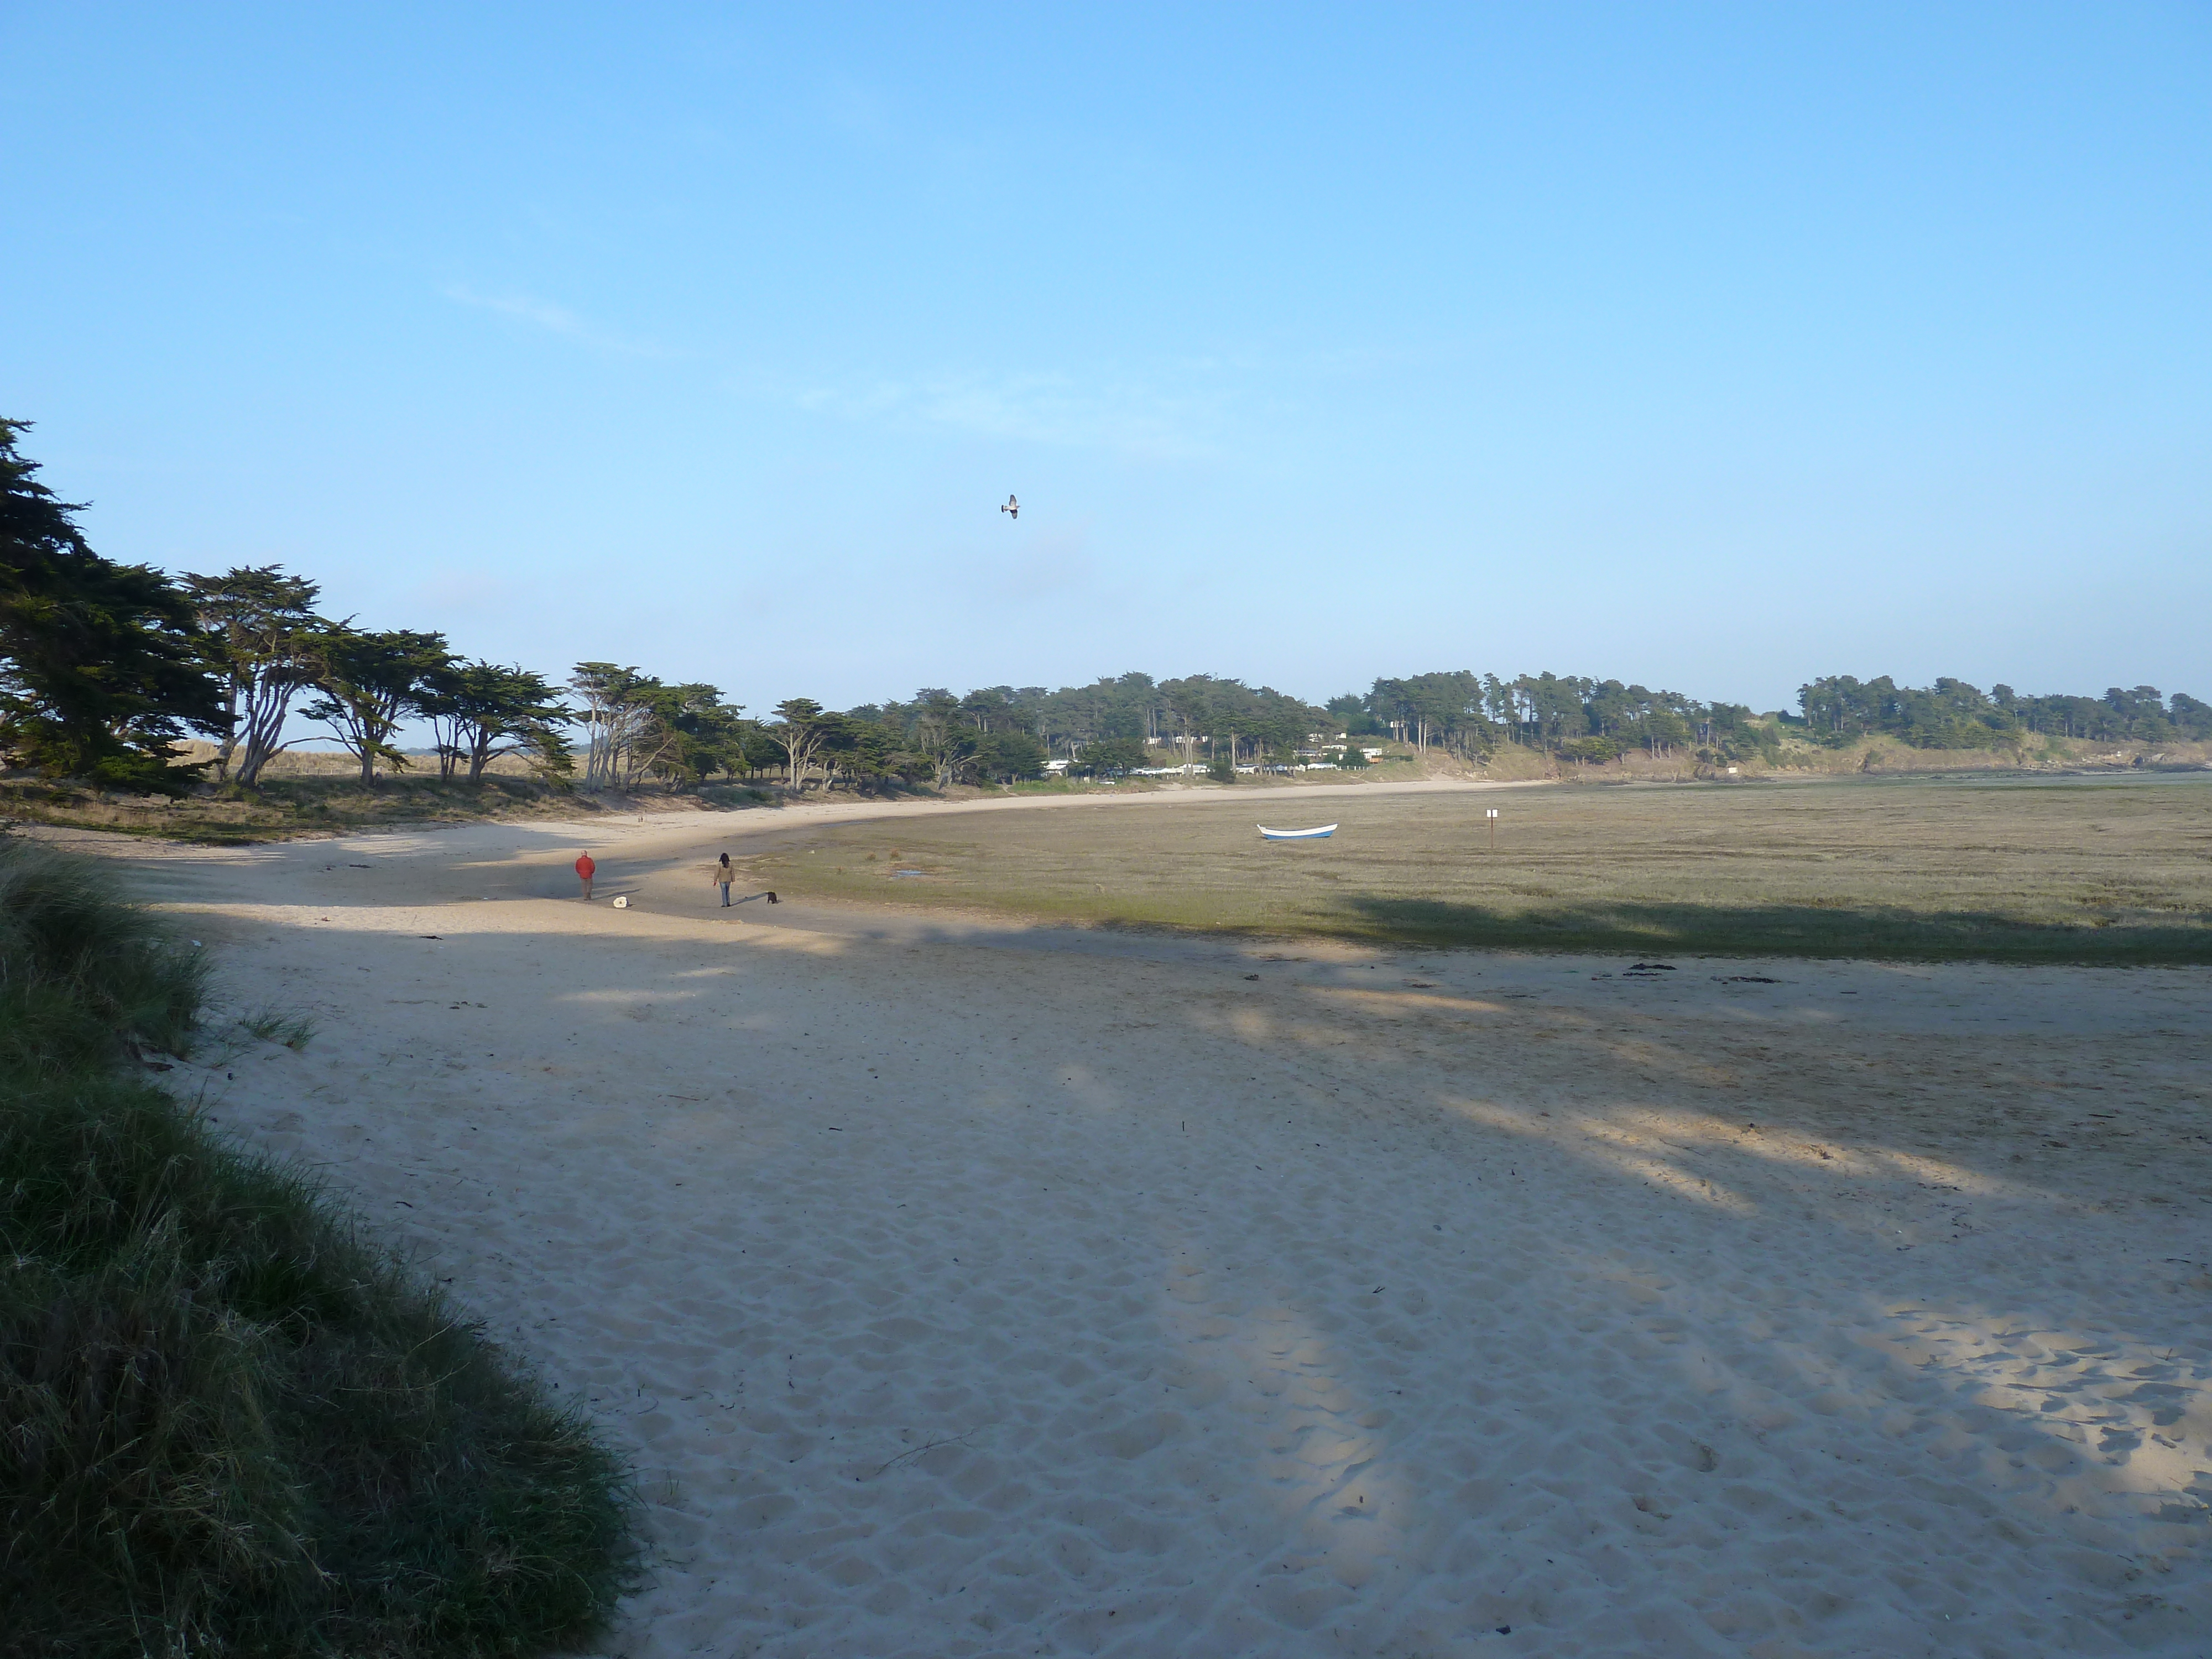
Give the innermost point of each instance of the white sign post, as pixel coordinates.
(1492, 814)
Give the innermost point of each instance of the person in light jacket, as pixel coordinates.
(723, 875)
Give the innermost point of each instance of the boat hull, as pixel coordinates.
(1322, 834)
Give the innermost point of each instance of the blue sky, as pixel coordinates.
(1711, 347)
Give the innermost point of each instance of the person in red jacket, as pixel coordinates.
(584, 870)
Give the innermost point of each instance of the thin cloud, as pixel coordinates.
(554, 319)
(1041, 409)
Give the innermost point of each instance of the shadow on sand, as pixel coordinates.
(2122, 939)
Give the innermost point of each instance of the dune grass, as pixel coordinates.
(273, 1025)
(2091, 869)
(233, 1424)
(284, 808)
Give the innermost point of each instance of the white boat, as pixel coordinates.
(1296, 834)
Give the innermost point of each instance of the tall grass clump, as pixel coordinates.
(274, 1025)
(229, 1423)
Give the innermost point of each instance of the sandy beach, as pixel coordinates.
(965, 1288)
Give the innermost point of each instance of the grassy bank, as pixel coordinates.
(2110, 870)
(286, 807)
(235, 1424)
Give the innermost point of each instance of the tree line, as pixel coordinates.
(1953, 715)
(1593, 719)
(106, 668)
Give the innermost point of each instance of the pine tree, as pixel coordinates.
(102, 666)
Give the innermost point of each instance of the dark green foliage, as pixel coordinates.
(369, 683)
(801, 729)
(261, 633)
(707, 734)
(1009, 757)
(1204, 717)
(1003, 733)
(1445, 709)
(1350, 711)
(102, 666)
(2192, 718)
(1108, 757)
(1953, 715)
(635, 725)
(234, 1425)
(1595, 750)
(481, 711)
(866, 753)
(1591, 720)
(757, 751)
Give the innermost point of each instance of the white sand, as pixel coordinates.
(963, 1289)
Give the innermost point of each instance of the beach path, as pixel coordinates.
(964, 1288)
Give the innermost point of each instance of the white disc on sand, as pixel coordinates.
(621, 904)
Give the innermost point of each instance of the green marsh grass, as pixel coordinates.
(2090, 870)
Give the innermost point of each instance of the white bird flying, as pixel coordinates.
(1013, 507)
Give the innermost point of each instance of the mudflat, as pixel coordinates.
(966, 1286)
(2116, 868)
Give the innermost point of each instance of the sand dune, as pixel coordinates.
(963, 1289)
